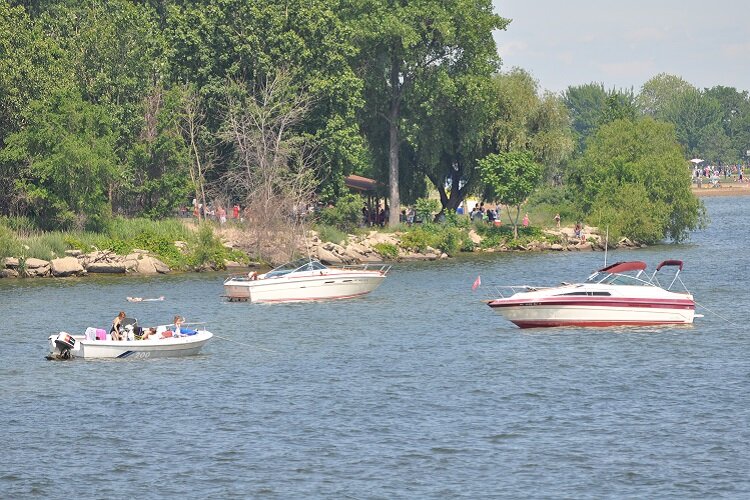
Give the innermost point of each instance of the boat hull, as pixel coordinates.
(321, 287)
(537, 315)
(135, 349)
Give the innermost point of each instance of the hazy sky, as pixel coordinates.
(623, 44)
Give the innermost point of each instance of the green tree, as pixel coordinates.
(633, 178)
(585, 104)
(235, 40)
(696, 117)
(30, 68)
(522, 120)
(157, 173)
(68, 158)
(510, 178)
(591, 106)
(407, 44)
(659, 92)
(735, 121)
(449, 133)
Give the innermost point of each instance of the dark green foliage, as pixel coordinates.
(426, 208)
(633, 178)
(346, 215)
(494, 237)
(10, 246)
(207, 249)
(450, 240)
(68, 160)
(510, 178)
(387, 250)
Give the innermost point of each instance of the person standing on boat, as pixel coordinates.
(115, 331)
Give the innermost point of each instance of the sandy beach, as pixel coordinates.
(725, 190)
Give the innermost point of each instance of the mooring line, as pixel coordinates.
(243, 344)
(716, 314)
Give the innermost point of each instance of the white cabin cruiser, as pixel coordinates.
(306, 279)
(621, 294)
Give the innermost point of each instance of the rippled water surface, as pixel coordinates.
(417, 390)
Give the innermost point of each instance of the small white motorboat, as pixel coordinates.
(95, 343)
(621, 294)
(306, 279)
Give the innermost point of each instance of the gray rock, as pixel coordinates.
(66, 266)
(106, 267)
(33, 263)
(8, 273)
(328, 257)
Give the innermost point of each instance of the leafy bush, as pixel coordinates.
(22, 226)
(426, 208)
(450, 240)
(331, 233)
(387, 250)
(345, 216)
(417, 239)
(207, 248)
(10, 246)
(452, 219)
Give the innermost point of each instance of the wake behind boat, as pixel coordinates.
(621, 294)
(306, 279)
(95, 343)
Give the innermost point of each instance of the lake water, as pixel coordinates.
(418, 390)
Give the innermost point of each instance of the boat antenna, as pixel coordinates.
(307, 243)
(606, 245)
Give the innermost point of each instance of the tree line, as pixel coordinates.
(136, 107)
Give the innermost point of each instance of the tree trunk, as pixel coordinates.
(393, 144)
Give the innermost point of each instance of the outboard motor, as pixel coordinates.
(63, 343)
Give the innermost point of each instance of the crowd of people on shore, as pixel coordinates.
(713, 175)
(210, 212)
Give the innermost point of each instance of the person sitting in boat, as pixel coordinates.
(253, 275)
(177, 324)
(116, 330)
(148, 333)
(176, 332)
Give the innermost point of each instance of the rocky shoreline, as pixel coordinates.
(77, 263)
(358, 249)
(362, 249)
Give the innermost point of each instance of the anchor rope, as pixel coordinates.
(716, 314)
(243, 344)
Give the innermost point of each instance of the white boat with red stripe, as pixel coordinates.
(304, 280)
(621, 294)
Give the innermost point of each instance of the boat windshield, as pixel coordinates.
(618, 279)
(298, 265)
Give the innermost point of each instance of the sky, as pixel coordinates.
(622, 44)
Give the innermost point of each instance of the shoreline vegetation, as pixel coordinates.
(228, 248)
(144, 247)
